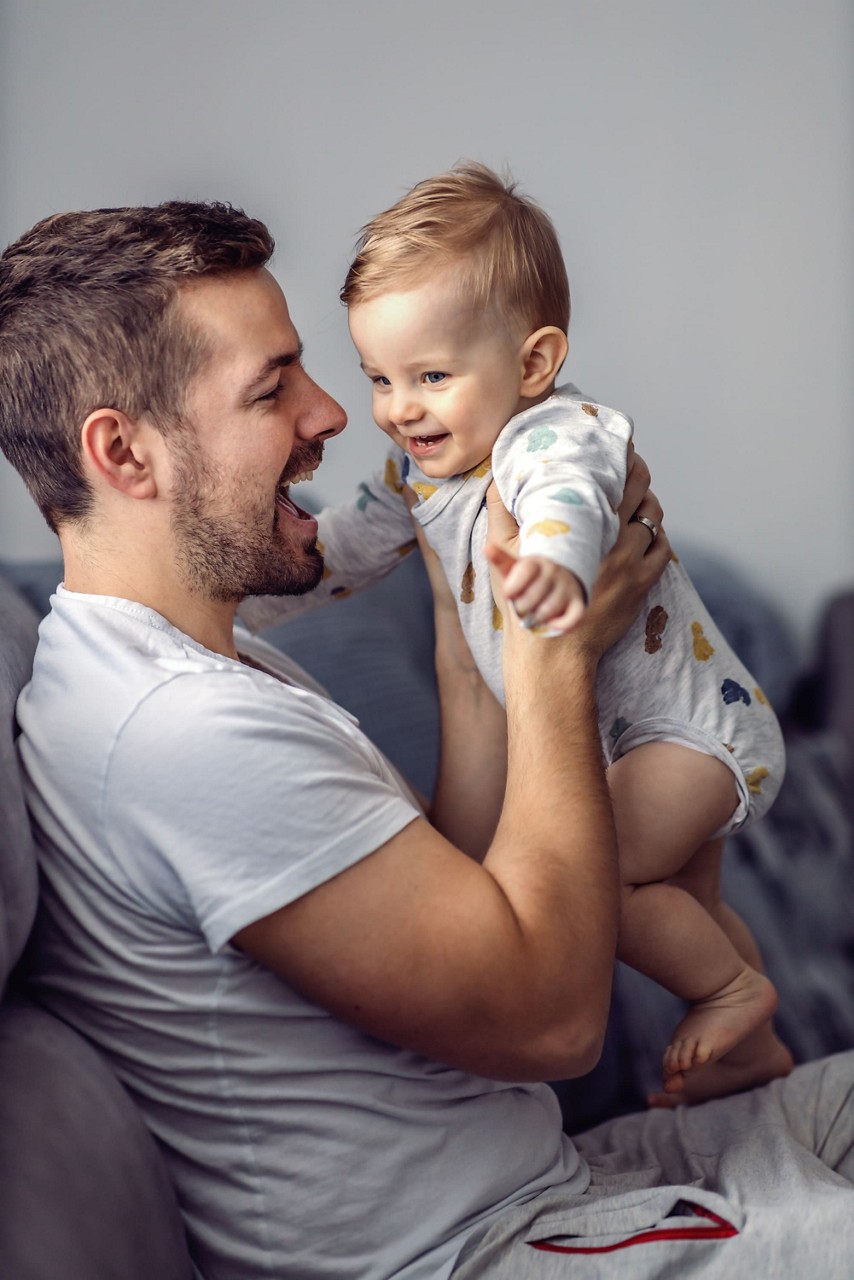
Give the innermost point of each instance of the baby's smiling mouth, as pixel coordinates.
(424, 442)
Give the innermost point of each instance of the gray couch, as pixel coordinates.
(85, 1192)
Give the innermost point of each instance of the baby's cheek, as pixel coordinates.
(388, 428)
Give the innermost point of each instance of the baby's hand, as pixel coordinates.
(545, 594)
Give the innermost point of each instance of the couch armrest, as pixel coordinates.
(86, 1195)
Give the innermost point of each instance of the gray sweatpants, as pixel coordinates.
(758, 1186)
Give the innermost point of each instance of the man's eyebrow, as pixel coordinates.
(282, 360)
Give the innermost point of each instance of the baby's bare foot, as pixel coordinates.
(763, 1059)
(714, 1026)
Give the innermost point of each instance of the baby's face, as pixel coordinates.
(445, 379)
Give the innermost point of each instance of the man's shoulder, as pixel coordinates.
(102, 654)
(111, 674)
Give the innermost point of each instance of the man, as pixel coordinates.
(329, 1015)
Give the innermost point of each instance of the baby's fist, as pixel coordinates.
(545, 595)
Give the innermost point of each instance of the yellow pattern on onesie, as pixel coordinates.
(702, 649)
(550, 528)
(391, 477)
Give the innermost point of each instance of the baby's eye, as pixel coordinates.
(434, 377)
(381, 381)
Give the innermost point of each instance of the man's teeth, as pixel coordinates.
(303, 475)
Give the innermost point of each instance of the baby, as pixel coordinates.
(458, 306)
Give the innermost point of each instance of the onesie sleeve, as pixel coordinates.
(560, 469)
(361, 541)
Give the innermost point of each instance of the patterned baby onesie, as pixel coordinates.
(560, 469)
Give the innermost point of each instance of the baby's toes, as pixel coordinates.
(674, 1083)
(670, 1061)
(684, 1053)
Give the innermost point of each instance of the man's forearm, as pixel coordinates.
(554, 854)
(473, 756)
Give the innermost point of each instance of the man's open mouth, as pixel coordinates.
(286, 502)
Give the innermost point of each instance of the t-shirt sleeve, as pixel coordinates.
(230, 795)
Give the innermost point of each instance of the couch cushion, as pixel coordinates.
(18, 881)
(373, 652)
(85, 1192)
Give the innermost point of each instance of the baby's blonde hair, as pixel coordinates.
(505, 246)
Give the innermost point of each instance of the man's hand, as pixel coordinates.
(633, 565)
(629, 571)
(545, 594)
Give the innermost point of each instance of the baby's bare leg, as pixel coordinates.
(668, 801)
(760, 1056)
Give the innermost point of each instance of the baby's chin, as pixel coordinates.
(444, 463)
(437, 471)
(441, 470)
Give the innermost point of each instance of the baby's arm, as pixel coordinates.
(361, 541)
(560, 468)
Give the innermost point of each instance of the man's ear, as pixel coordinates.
(543, 353)
(117, 450)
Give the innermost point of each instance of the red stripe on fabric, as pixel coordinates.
(722, 1230)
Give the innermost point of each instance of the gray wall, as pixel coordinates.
(696, 155)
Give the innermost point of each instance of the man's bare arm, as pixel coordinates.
(472, 769)
(502, 968)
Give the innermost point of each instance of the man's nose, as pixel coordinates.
(324, 417)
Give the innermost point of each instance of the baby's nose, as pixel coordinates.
(406, 408)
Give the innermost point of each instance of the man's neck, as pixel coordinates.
(208, 622)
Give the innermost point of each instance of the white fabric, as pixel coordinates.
(177, 796)
(758, 1184)
(560, 469)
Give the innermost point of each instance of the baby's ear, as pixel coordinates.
(543, 353)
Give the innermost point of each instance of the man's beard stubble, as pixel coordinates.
(229, 556)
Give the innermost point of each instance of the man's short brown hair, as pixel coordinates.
(503, 244)
(87, 320)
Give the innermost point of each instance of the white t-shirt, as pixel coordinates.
(178, 796)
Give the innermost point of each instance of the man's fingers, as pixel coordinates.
(502, 536)
(638, 529)
(637, 486)
(502, 529)
(659, 554)
(501, 559)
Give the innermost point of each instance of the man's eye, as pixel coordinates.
(273, 394)
(434, 377)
